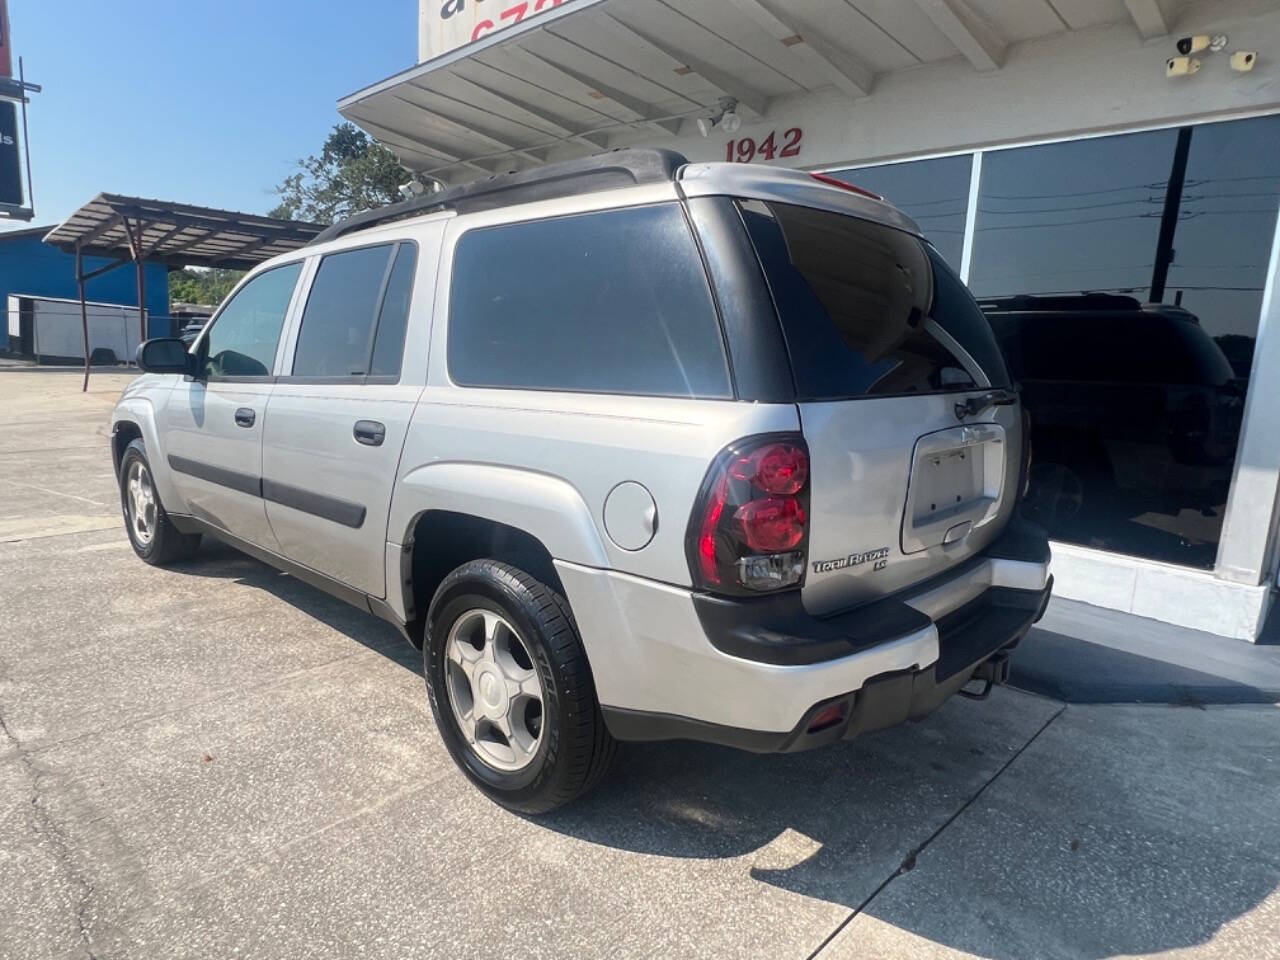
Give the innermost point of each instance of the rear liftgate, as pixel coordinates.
(957, 477)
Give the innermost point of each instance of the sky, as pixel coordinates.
(209, 102)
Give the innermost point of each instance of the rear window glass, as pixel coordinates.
(610, 302)
(857, 301)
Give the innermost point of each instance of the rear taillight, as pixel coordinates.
(750, 527)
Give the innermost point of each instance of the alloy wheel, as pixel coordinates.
(141, 503)
(494, 690)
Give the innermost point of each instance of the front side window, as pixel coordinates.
(609, 302)
(243, 339)
(856, 300)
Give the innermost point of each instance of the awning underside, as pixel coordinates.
(177, 234)
(573, 78)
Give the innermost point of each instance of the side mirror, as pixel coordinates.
(164, 355)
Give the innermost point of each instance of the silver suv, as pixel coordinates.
(632, 448)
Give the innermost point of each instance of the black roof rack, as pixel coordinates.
(619, 168)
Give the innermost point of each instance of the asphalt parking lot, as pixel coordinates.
(217, 760)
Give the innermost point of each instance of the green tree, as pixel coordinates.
(352, 173)
(204, 287)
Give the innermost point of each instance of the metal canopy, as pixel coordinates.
(571, 77)
(136, 230)
(177, 234)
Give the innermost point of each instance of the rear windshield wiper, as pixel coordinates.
(992, 398)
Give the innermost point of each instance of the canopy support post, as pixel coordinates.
(84, 315)
(135, 247)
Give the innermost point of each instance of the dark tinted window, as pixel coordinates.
(388, 347)
(612, 302)
(958, 314)
(855, 299)
(934, 193)
(337, 325)
(1142, 346)
(1226, 221)
(243, 339)
(1068, 217)
(1136, 408)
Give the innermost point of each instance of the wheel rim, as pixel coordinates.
(140, 503)
(494, 690)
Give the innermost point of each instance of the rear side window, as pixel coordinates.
(857, 300)
(354, 321)
(610, 302)
(388, 345)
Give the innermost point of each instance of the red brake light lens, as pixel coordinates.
(749, 530)
(707, 535)
(779, 468)
(771, 525)
(833, 182)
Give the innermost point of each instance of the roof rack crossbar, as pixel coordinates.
(619, 168)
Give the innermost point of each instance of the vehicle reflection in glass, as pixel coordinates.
(1136, 413)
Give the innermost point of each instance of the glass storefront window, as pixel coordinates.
(1123, 276)
(935, 193)
(1225, 226)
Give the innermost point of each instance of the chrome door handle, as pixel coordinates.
(370, 432)
(245, 417)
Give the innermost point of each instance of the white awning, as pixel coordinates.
(589, 74)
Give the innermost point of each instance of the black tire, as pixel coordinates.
(167, 544)
(575, 749)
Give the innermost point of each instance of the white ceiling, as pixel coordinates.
(589, 69)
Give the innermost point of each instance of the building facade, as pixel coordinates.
(1118, 224)
(30, 270)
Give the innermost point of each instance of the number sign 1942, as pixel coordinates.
(746, 149)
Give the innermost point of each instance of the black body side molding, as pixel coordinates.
(308, 501)
(240, 482)
(317, 504)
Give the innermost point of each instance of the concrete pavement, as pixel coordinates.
(216, 760)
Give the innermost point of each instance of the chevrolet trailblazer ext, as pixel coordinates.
(632, 448)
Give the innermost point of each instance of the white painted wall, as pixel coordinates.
(1090, 81)
(59, 330)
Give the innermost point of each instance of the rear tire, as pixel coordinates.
(151, 532)
(528, 758)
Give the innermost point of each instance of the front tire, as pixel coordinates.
(511, 690)
(151, 532)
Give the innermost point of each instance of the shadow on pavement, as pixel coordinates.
(857, 824)
(1079, 671)
(1123, 831)
(1062, 855)
(217, 560)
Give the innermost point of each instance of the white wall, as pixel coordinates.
(1105, 78)
(59, 330)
